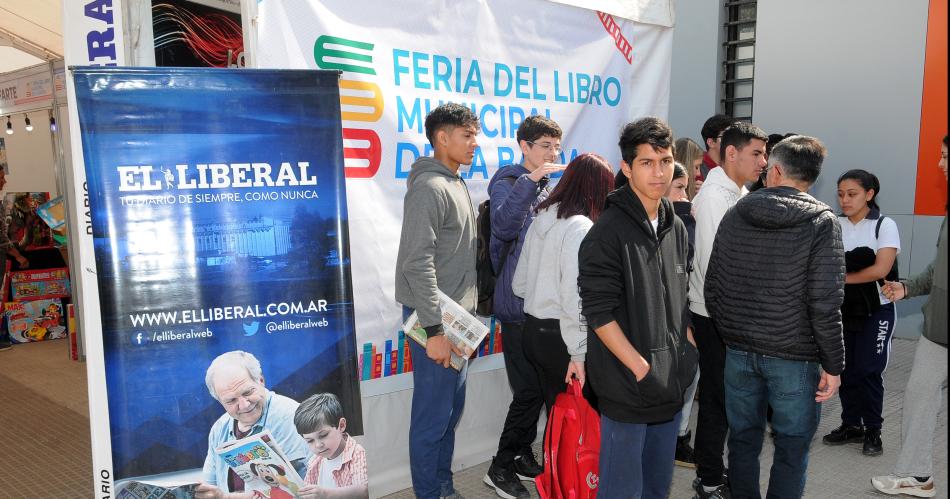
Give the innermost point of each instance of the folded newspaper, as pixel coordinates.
(142, 490)
(263, 466)
(461, 328)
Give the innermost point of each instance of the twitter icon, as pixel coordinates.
(250, 329)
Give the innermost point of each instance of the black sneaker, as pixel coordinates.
(505, 482)
(844, 434)
(872, 443)
(684, 452)
(526, 467)
(5, 345)
(720, 492)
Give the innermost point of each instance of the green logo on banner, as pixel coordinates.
(322, 52)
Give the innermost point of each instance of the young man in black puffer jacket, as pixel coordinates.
(774, 289)
(640, 356)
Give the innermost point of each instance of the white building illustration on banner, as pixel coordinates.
(260, 237)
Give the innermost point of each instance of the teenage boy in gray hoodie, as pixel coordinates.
(437, 252)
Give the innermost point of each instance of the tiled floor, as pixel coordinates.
(44, 412)
(833, 472)
(46, 448)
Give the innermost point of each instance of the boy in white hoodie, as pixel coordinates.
(742, 149)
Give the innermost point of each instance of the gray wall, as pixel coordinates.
(694, 78)
(850, 72)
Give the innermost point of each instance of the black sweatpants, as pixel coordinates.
(521, 423)
(711, 424)
(545, 350)
(547, 353)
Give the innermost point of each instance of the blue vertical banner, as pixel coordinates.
(219, 221)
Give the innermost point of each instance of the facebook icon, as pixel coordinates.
(139, 338)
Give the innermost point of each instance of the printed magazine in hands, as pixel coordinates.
(263, 466)
(461, 328)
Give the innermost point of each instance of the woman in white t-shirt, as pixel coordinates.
(871, 244)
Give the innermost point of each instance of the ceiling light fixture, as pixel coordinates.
(29, 126)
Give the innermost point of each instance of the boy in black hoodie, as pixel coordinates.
(640, 352)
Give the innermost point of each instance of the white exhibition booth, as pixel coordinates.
(33, 111)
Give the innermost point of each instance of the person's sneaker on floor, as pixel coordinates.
(844, 434)
(895, 485)
(684, 451)
(454, 495)
(719, 492)
(527, 467)
(505, 482)
(716, 492)
(872, 443)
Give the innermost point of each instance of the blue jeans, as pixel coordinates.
(687, 409)
(753, 382)
(636, 460)
(438, 397)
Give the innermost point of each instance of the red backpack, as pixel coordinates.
(571, 449)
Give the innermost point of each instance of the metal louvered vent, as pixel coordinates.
(739, 60)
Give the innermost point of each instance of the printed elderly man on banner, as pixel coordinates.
(236, 381)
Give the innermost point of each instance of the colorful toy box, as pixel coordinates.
(39, 284)
(35, 320)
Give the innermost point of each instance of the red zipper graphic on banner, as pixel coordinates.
(613, 29)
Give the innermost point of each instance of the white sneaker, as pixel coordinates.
(895, 485)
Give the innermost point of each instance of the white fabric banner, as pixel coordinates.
(659, 12)
(588, 71)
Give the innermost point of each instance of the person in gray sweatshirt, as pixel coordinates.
(555, 332)
(913, 473)
(437, 252)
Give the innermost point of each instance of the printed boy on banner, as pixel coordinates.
(339, 462)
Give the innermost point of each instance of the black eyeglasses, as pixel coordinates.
(547, 146)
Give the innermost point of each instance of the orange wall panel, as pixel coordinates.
(931, 192)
